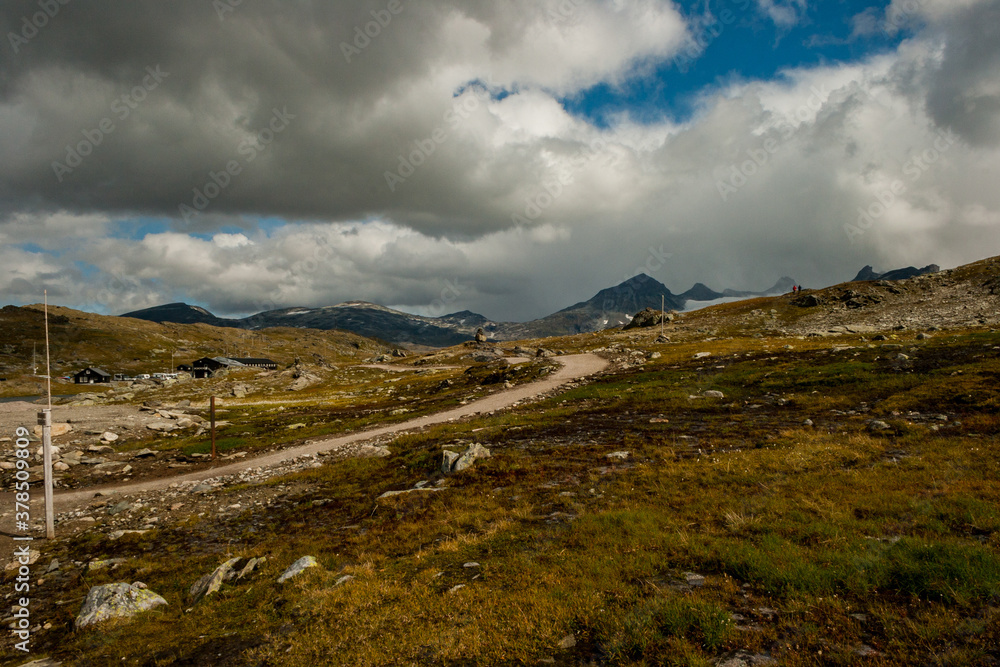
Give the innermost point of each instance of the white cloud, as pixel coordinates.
(784, 13)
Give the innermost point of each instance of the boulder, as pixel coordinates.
(57, 430)
(713, 394)
(119, 600)
(808, 301)
(475, 451)
(239, 391)
(162, 427)
(108, 436)
(297, 568)
(304, 381)
(448, 461)
(480, 335)
(647, 317)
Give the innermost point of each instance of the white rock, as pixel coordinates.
(119, 600)
(297, 568)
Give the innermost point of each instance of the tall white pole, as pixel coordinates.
(50, 525)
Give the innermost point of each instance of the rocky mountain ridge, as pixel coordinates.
(610, 308)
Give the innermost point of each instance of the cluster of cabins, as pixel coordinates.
(202, 368)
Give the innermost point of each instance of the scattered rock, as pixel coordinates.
(57, 430)
(118, 508)
(390, 494)
(694, 580)
(161, 427)
(618, 456)
(713, 394)
(877, 425)
(746, 659)
(108, 436)
(475, 451)
(143, 454)
(119, 600)
(297, 568)
(95, 565)
(304, 381)
(234, 569)
(448, 461)
(567, 642)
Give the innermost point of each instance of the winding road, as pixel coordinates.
(573, 367)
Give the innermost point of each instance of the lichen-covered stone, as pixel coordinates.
(119, 600)
(297, 568)
(475, 451)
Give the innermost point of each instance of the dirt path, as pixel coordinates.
(573, 367)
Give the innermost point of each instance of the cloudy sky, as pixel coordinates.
(507, 156)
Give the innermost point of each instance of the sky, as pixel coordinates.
(510, 157)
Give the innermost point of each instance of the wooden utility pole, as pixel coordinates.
(662, 316)
(45, 417)
(214, 453)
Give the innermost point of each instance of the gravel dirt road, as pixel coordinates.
(573, 367)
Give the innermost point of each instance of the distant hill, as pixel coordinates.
(610, 308)
(783, 285)
(138, 345)
(868, 273)
(373, 321)
(700, 292)
(181, 313)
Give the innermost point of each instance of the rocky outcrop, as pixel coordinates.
(647, 318)
(234, 569)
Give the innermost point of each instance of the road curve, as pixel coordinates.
(573, 367)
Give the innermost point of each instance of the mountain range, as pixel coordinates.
(868, 273)
(609, 308)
